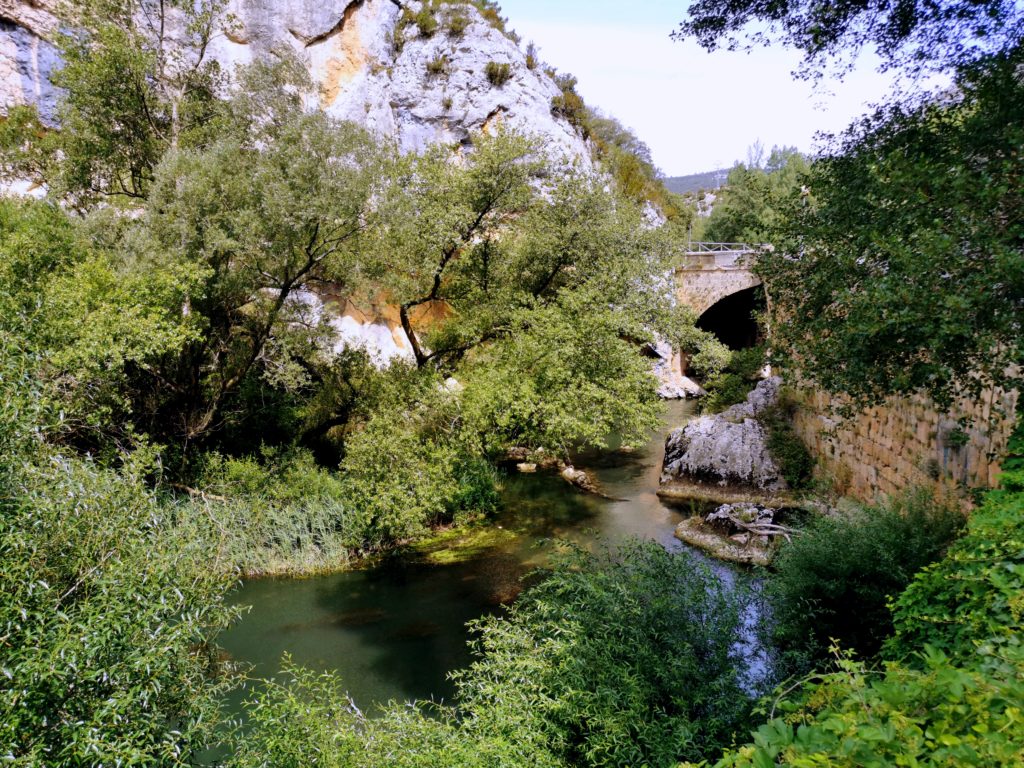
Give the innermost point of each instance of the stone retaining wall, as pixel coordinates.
(906, 443)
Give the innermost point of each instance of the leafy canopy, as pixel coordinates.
(904, 273)
(909, 35)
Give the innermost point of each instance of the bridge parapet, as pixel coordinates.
(707, 255)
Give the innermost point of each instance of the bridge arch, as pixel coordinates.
(709, 272)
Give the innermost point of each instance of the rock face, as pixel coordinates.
(369, 67)
(729, 448)
(672, 385)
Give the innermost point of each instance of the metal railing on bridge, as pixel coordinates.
(703, 255)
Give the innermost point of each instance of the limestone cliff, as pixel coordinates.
(370, 65)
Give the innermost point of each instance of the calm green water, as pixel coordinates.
(395, 631)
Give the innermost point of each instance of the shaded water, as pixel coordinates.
(393, 632)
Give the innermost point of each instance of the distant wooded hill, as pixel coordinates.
(696, 181)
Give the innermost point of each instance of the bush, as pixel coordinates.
(976, 593)
(735, 381)
(498, 74)
(532, 61)
(939, 716)
(425, 21)
(276, 513)
(438, 65)
(835, 579)
(954, 696)
(612, 659)
(625, 658)
(457, 23)
(785, 446)
(109, 615)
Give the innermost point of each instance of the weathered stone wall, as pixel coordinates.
(700, 289)
(906, 443)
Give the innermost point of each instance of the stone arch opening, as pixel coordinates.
(731, 318)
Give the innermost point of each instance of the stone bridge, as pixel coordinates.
(710, 272)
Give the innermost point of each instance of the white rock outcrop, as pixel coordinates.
(672, 385)
(367, 66)
(729, 448)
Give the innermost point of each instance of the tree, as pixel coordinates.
(276, 205)
(904, 273)
(756, 196)
(136, 80)
(916, 37)
(109, 616)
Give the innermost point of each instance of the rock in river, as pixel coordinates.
(729, 448)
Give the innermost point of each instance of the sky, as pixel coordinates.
(697, 111)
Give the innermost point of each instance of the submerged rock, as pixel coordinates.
(729, 448)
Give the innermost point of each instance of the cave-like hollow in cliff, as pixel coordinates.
(731, 319)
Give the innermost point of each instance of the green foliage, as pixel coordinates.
(532, 59)
(457, 23)
(709, 357)
(566, 380)
(732, 383)
(109, 615)
(785, 446)
(128, 96)
(907, 271)
(498, 74)
(917, 37)
(974, 596)
(438, 65)
(836, 577)
(955, 695)
(613, 659)
(425, 21)
(569, 104)
(756, 196)
(400, 480)
(939, 715)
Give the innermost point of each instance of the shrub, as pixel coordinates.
(109, 615)
(457, 23)
(976, 593)
(785, 446)
(939, 716)
(835, 579)
(498, 74)
(438, 65)
(532, 61)
(738, 377)
(612, 659)
(625, 658)
(569, 105)
(426, 22)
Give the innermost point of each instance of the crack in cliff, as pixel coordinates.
(309, 41)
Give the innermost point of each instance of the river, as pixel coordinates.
(395, 631)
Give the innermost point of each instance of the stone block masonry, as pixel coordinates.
(906, 443)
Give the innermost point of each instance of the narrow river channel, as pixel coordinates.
(395, 631)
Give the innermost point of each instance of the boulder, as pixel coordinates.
(729, 448)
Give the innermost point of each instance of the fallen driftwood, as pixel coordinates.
(757, 527)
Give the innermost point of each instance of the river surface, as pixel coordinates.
(395, 631)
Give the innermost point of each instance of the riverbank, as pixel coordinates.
(394, 625)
